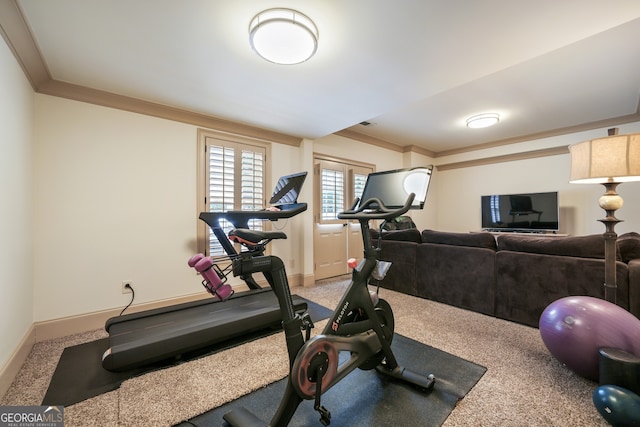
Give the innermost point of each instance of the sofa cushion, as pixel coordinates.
(629, 246)
(408, 235)
(527, 283)
(591, 246)
(461, 276)
(477, 240)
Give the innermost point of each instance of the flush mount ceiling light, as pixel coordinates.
(283, 36)
(483, 120)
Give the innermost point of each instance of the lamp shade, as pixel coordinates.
(610, 159)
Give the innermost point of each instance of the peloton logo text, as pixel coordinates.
(335, 324)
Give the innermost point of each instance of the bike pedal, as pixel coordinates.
(325, 415)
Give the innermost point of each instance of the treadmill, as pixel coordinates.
(150, 336)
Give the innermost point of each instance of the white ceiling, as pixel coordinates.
(414, 68)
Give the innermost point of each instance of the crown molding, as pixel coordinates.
(351, 134)
(418, 150)
(134, 105)
(554, 151)
(615, 121)
(357, 136)
(16, 33)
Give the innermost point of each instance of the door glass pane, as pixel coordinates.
(358, 184)
(332, 194)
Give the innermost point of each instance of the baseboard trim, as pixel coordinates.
(62, 327)
(308, 280)
(57, 328)
(16, 360)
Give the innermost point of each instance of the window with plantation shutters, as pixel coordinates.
(358, 184)
(235, 175)
(339, 183)
(332, 194)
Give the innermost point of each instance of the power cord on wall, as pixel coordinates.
(133, 295)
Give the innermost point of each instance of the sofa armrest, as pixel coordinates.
(634, 287)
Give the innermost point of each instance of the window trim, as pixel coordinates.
(202, 229)
(349, 166)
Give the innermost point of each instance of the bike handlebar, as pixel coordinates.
(374, 208)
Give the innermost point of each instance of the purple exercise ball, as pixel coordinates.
(574, 328)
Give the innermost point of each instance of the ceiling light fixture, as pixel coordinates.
(483, 120)
(283, 36)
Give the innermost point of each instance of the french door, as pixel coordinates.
(337, 183)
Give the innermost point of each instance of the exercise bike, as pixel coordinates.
(361, 325)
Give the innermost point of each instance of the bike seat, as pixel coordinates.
(254, 237)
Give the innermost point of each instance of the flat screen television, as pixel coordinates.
(523, 212)
(393, 187)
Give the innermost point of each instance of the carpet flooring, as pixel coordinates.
(523, 385)
(364, 398)
(67, 387)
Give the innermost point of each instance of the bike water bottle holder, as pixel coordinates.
(213, 277)
(221, 290)
(378, 273)
(382, 267)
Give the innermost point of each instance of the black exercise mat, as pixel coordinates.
(365, 398)
(80, 375)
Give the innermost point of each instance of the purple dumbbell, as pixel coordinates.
(194, 259)
(212, 281)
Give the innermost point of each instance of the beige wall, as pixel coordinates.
(459, 190)
(115, 200)
(16, 210)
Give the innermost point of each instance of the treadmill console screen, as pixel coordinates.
(287, 189)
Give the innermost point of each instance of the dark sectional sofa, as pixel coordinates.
(510, 276)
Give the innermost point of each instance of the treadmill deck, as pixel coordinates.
(155, 335)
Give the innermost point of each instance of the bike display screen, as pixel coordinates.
(393, 187)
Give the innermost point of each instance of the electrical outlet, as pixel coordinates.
(127, 286)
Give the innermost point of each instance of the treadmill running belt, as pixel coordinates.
(163, 334)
